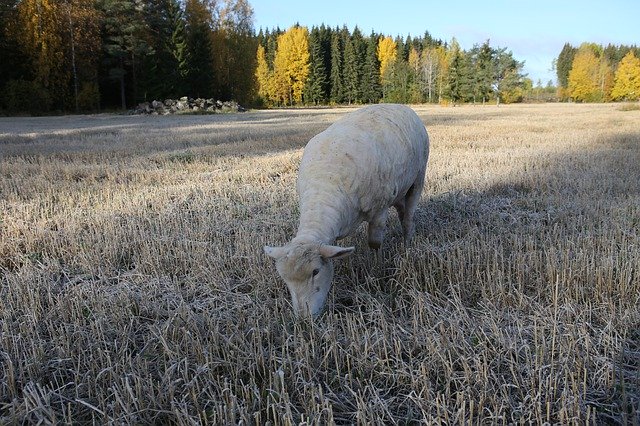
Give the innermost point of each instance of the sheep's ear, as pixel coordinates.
(335, 252)
(275, 252)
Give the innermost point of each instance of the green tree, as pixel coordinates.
(336, 75)
(166, 70)
(484, 70)
(508, 79)
(354, 54)
(371, 90)
(318, 82)
(563, 66)
(199, 49)
(234, 46)
(125, 43)
(458, 84)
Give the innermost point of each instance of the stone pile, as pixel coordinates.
(186, 105)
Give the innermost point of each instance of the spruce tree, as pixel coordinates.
(316, 87)
(200, 82)
(336, 77)
(563, 64)
(371, 89)
(353, 65)
(165, 70)
(484, 71)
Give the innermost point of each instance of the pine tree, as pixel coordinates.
(627, 79)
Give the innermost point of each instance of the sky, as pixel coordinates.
(534, 31)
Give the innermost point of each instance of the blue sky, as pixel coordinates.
(534, 31)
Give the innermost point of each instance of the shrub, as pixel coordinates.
(22, 96)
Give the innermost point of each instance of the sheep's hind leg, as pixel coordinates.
(410, 205)
(376, 228)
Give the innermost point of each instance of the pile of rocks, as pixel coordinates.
(186, 105)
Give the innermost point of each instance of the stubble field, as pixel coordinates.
(134, 289)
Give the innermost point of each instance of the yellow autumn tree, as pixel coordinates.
(387, 52)
(263, 75)
(291, 65)
(584, 76)
(627, 79)
(38, 31)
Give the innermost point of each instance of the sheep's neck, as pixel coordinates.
(324, 218)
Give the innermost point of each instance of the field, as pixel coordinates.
(134, 288)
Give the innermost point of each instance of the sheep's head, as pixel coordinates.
(307, 268)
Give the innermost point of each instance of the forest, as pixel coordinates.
(105, 55)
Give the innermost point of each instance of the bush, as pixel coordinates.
(22, 96)
(89, 97)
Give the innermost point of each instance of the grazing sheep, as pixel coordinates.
(364, 163)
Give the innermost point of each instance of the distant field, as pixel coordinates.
(134, 289)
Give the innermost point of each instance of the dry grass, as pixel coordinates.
(134, 289)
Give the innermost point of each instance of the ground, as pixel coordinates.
(134, 288)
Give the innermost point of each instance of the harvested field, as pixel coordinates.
(134, 288)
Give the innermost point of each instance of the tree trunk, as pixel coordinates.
(122, 94)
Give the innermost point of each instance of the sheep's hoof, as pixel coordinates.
(375, 244)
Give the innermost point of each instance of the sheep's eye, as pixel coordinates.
(315, 272)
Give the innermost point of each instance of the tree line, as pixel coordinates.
(338, 66)
(595, 73)
(83, 55)
(88, 55)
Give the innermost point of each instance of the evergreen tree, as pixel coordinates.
(125, 44)
(199, 49)
(371, 89)
(458, 84)
(508, 80)
(563, 66)
(336, 76)
(318, 81)
(354, 52)
(234, 47)
(166, 69)
(484, 71)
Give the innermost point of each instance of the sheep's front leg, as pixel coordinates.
(376, 228)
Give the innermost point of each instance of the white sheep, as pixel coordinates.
(364, 163)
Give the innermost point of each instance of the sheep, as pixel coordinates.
(364, 163)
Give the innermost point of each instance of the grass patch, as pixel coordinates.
(134, 288)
